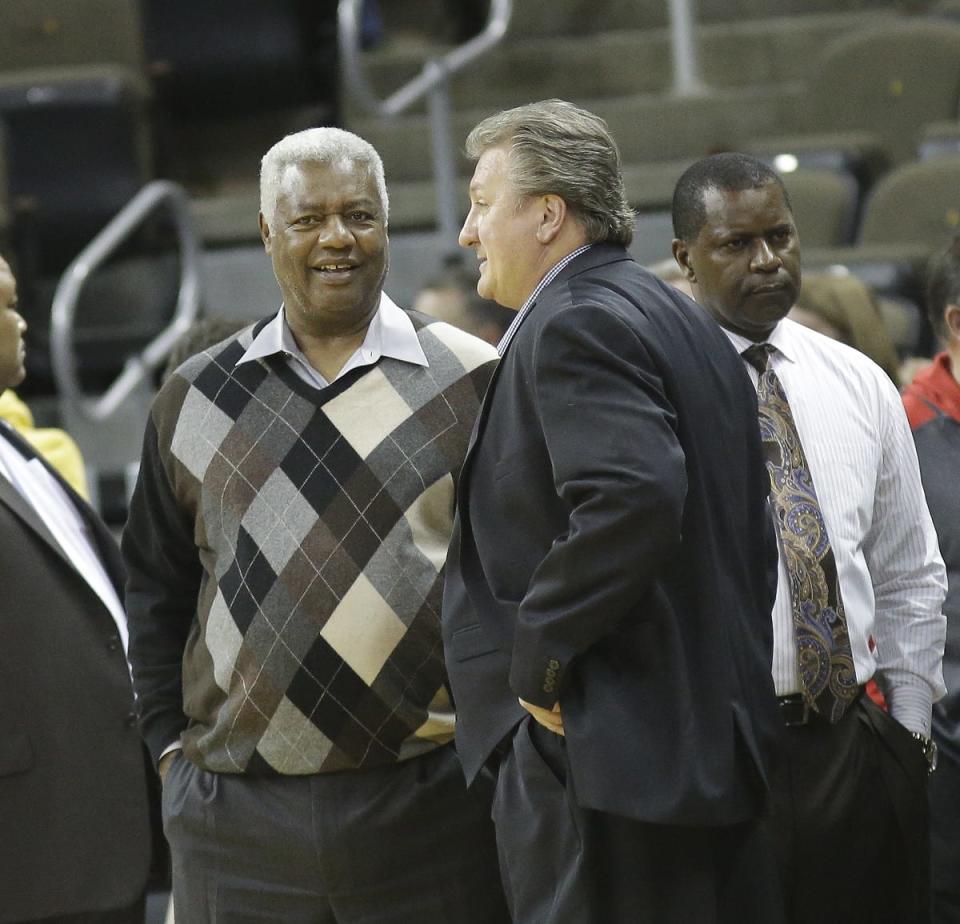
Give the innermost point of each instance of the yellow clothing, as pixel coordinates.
(56, 446)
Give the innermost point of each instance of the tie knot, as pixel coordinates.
(757, 356)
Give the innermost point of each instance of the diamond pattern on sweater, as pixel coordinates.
(323, 518)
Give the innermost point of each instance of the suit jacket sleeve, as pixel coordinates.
(618, 467)
(163, 582)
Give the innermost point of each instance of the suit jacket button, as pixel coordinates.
(131, 720)
(113, 643)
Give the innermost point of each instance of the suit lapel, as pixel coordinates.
(597, 255)
(10, 496)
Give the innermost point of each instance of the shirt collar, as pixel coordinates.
(390, 333)
(779, 339)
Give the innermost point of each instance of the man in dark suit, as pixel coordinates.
(607, 606)
(76, 844)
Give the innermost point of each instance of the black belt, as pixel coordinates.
(795, 710)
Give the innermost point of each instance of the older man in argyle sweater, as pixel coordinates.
(286, 545)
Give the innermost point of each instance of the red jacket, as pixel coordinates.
(937, 385)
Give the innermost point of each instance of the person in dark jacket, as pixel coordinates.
(932, 402)
(75, 834)
(607, 611)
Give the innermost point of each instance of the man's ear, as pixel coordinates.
(682, 255)
(951, 318)
(553, 213)
(264, 231)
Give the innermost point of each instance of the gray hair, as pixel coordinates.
(317, 146)
(560, 149)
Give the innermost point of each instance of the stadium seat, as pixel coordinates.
(824, 206)
(873, 91)
(913, 211)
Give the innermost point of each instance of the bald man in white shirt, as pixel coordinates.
(861, 582)
(76, 839)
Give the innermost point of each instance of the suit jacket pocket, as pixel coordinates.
(16, 754)
(470, 642)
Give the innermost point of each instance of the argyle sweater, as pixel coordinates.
(285, 549)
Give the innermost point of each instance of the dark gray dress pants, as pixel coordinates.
(404, 844)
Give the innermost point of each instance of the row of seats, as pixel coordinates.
(116, 91)
(870, 96)
(587, 18)
(216, 96)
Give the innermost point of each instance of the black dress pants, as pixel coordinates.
(945, 841)
(849, 813)
(562, 864)
(133, 914)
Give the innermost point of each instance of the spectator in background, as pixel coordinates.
(858, 563)
(286, 545)
(933, 407)
(75, 834)
(452, 297)
(843, 308)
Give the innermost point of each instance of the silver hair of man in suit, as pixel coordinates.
(558, 148)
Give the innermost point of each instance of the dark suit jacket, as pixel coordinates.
(611, 551)
(74, 825)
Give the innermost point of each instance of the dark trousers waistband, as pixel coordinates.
(795, 710)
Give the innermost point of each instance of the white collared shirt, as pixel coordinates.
(863, 462)
(390, 333)
(59, 514)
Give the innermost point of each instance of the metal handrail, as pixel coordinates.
(434, 83)
(685, 54)
(434, 70)
(62, 314)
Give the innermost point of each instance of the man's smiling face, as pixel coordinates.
(327, 239)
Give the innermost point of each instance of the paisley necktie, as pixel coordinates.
(824, 657)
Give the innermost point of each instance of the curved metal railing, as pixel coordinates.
(432, 82)
(434, 71)
(138, 368)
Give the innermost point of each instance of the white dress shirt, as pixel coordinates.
(863, 462)
(59, 514)
(391, 333)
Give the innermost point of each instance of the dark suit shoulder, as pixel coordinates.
(644, 302)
